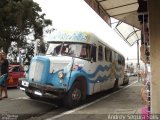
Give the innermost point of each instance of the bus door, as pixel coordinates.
(100, 69)
(107, 82)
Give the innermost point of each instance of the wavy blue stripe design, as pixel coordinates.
(92, 75)
(100, 79)
(99, 68)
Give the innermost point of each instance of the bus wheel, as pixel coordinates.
(31, 95)
(74, 96)
(115, 87)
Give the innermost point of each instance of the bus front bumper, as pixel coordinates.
(42, 89)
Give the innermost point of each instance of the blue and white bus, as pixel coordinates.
(76, 64)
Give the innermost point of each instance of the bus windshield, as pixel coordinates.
(69, 49)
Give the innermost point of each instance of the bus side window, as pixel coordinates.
(123, 61)
(108, 55)
(100, 53)
(119, 60)
(110, 59)
(93, 53)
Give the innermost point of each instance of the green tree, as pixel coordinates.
(19, 18)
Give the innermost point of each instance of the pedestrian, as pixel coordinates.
(4, 75)
(0, 62)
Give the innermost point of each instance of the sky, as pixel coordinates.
(77, 15)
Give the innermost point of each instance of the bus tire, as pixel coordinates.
(74, 97)
(116, 86)
(31, 95)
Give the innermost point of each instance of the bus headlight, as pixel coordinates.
(61, 75)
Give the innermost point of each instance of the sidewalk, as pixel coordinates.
(123, 104)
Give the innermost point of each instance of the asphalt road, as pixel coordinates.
(19, 106)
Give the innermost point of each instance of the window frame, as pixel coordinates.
(100, 53)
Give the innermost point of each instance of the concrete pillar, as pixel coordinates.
(154, 27)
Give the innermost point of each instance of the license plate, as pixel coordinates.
(25, 83)
(21, 88)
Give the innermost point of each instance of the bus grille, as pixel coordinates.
(36, 69)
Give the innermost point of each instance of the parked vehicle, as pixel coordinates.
(126, 78)
(15, 72)
(76, 64)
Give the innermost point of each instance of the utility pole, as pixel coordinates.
(138, 65)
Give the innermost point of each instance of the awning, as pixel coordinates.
(130, 14)
(128, 33)
(123, 10)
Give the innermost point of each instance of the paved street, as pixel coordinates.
(19, 104)
(125, 100)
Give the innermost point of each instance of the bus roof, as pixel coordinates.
(78, 36)
(70, 36)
